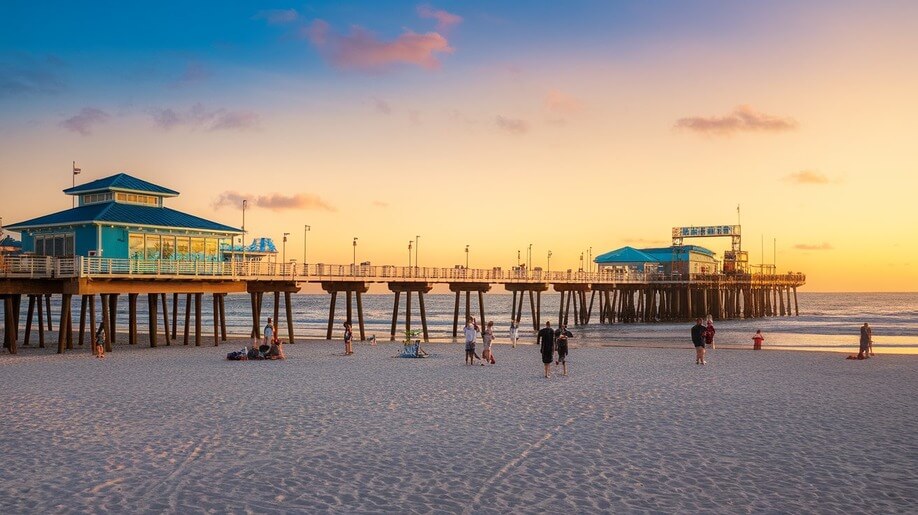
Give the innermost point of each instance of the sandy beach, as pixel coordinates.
(182, 430)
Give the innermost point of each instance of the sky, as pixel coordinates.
(576, 127)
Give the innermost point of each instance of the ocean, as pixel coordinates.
(827, 321)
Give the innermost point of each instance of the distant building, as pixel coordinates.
(10, 247)
(665, 260)
(124, 217)
(258, 250)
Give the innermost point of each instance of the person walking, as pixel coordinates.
(546, 341)
(348, 339)
(487, 337)
(864, 351)
(870, 339)
(561, 336)
(514, 332)
(471, 333)
(757, 340)
(709, 333)
(698, 331)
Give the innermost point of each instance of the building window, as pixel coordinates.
(135, 198)
(95, 198)
(54, 245)
(135, 246)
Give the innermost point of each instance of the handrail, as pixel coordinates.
(45, 267)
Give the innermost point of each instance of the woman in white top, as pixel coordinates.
(514, 332)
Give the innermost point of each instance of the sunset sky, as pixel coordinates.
(567, 125)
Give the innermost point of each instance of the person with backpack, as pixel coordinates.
(546, 341)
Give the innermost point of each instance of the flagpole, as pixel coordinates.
(76, 171)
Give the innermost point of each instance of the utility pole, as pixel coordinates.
(409, 253)
(244, 204)
(284, 253)
(355, 255)
(306, 230)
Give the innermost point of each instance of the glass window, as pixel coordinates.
(39, 246)
(211, 249)
(68, 245)
(58, 246)
(168, 247)
(197, 248)
(182, 247)
(153, 246)
(135, 246)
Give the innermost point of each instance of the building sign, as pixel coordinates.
(710, 230)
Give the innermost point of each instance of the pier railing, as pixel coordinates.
(45, 267)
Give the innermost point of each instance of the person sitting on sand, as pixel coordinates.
(757, 340)
(348, 339)
(470, 332)
(487, 337)
(276, 351)
(253, 352)
(546, 341)
(698, 340)
(561, 336)
(864, 351)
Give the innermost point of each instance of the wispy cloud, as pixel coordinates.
(743, 118)
(278, 16)
(364, 51)
(807, 177)
(274, 201)
(512, 125)
(194, 72)
(560, 103)
(380, 203)
(445, 20)
(813, 246)
(200, 117)
(84, 121)
(30, 75)
(381, 106)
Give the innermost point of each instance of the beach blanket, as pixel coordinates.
(413, 351)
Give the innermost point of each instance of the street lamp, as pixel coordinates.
(355, 254)
(591, 259)
(549, 263)
(517, 259)
(306, 229)
(529, 257)
(76, 171)
(416, 241)
(409, 253)
(284, 253)
(466, 257)
(581, 261)
(245, 203)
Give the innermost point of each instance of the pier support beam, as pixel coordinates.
(358, 288)
(535, 300)
(408, 287)
(468, 288)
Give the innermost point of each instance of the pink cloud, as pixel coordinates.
(561, 103)
(807, 177)
(743, 118)
(274, 201)
(201, 117)
(445, 20)
(84, 121)
(362, 50)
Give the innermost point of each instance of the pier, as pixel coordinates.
(614, 296)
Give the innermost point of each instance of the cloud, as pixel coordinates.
(362, 50)
(274, 201)
(807, 177)
(512, 125)
(560, 103)
(381, 106)
(278, 16)
(811, 246)
(445, 20)
(743, 118)
(84, 121)
(380, 203)
(194, 72)
(30, 75)
(200, 117)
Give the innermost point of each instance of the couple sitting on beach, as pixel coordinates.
(264, 351)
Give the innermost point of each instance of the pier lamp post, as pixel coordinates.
(306, 229)
(529, 258)
(590, 259)
(517, 258)
(355, 255)
(581, 261)
(466, 257)
(409, 253)
(76, 171)
(416, 241)
(549, 265)
(284, 253)
(245, 203)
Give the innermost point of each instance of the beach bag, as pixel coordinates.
(235, 356)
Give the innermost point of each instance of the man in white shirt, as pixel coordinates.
(471, 332)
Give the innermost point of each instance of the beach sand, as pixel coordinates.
(180, 429)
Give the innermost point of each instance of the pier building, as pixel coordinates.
(679, 259)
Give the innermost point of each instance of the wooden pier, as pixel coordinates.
(617, 297)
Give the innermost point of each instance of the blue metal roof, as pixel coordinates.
(121, 182)
(10, 242)
(625, 255)
(676, 252)
(124, 214)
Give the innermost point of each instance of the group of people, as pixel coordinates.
(270, 347)
(553, 346)
(702, 336)
(471, 332)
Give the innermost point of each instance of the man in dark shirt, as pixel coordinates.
(546, 338)
(698, 340)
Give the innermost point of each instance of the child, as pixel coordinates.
(348, 337)
(757, 340)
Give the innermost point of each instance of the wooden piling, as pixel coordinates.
(29, 315)
(151, 308)
(288, 310)
(187, 317)
(166, 319)
(198, 298)
(216, 317)
(132, 319)
(106, 323)
(331, 314)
